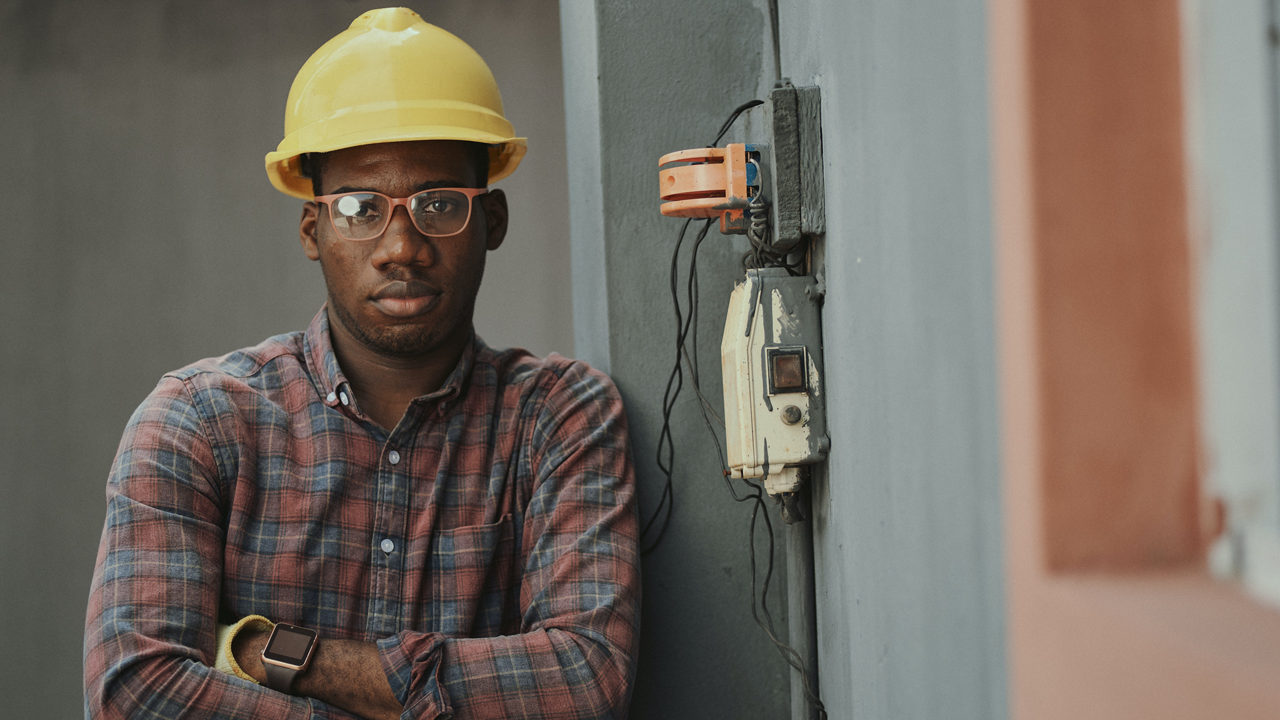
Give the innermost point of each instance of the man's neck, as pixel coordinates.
(386, 385)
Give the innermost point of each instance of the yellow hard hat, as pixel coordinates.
(391, 77)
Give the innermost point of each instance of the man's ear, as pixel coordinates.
(496, 215)
(308, 228)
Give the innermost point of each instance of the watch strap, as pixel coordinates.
(280, 678)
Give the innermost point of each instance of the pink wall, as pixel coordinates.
(1111, 614)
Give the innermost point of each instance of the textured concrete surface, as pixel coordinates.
(908, 527)
(141, 234)
(668, 74)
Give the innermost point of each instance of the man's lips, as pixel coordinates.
(405, 298)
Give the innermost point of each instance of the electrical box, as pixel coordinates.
(771, 353)
(771, 357)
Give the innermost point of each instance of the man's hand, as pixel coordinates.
(344, 673)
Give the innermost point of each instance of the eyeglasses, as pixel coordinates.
(438, 212)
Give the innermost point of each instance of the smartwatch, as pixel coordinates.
(288, 653)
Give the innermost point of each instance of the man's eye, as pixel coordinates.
(353, 207)
(439, 206)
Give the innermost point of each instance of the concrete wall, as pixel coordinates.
(909, 578)
(140, 234)
(643, 79)
(907, 535)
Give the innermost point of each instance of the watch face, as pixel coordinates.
(289, 644)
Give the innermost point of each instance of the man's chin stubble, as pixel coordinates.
(402, 343)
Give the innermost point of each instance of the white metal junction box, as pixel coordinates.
(771, 357)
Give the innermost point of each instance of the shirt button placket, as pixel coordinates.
(392, 514)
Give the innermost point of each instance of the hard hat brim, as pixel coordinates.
(284, 171)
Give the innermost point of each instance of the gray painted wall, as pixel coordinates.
(141, 234)
(908, 548)
(665, 75)
(908, 551)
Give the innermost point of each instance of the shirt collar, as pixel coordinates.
(331, 383)
(323, 363)
(456, 382)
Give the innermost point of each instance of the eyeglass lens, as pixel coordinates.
(363, 216)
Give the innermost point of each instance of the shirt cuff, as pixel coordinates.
(226, 660)
(412, 661)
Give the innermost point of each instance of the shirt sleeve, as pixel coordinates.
(151, 626)
(580, 594)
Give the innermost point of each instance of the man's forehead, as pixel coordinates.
(432, 159)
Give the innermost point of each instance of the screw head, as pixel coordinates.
(791, 415)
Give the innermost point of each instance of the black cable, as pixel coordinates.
(675, 382)
(759, 509)
(664, 437)
(732, 117)
(692, 362)
(777, 44)
(788, 653)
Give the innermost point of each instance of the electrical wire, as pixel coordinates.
(675, 382)
(758, 510)
(763, 254)
(733, 118)
(777, 44)
(692, 298)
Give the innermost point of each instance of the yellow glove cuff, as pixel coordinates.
(226, 661)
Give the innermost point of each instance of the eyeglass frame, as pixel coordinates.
(471, 193)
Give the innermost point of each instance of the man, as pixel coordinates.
(387, 517)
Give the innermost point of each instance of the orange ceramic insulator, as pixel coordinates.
(714, 182)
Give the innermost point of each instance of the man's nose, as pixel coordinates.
(401, 243)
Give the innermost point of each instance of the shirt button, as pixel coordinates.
(393, 457)
(343, 396)
(332, 397)
(387, 546)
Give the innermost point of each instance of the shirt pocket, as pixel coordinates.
(472, 580)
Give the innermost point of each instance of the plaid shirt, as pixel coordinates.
(487, 544)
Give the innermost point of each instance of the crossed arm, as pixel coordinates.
(151, 626)
(344, 673)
